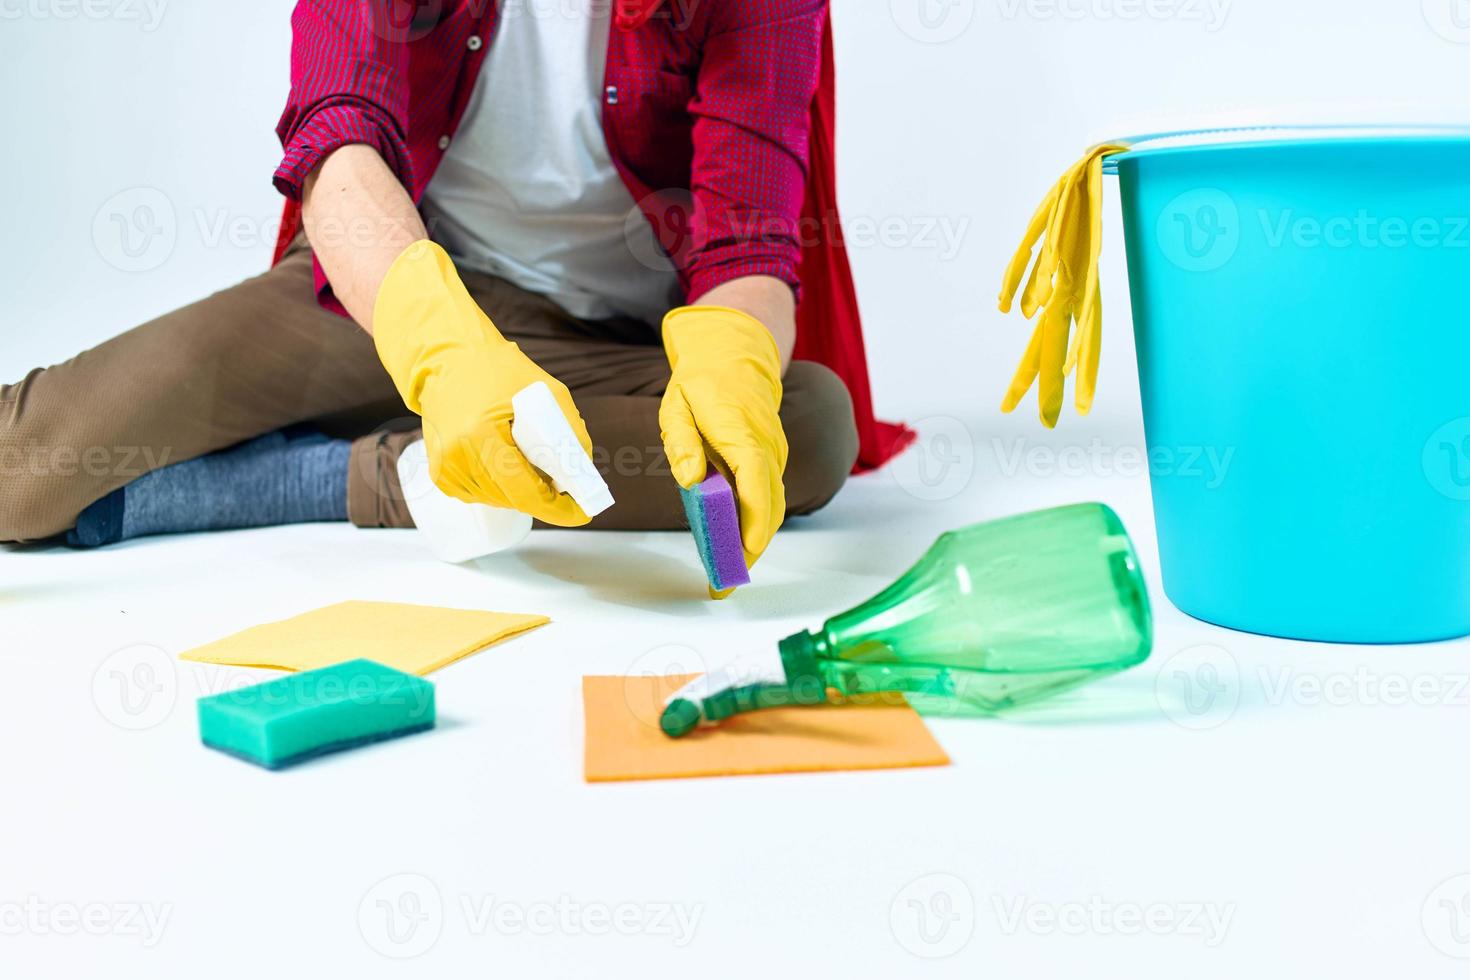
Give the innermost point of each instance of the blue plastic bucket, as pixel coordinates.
(1303, 333)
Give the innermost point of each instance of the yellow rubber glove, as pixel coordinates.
(723, 404)
(1063, 286)
(455, 369)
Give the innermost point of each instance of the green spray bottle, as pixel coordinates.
(993, 616)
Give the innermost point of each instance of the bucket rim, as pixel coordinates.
(1277, 137)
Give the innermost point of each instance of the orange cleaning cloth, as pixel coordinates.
(624, 741)
(413, 639)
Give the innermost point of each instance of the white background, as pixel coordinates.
(1329, 827)
(967, 134)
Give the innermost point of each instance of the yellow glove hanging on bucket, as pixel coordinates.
(723, 404)
(455, 369)
(1063, 287)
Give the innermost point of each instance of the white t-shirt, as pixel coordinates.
(528, 192)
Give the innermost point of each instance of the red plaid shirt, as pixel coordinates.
(707, 112)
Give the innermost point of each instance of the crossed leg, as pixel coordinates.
(263, 355)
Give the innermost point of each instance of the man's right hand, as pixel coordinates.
(455, 369)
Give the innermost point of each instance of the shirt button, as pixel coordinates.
(444, 142)
(474, 43)
(612, 95)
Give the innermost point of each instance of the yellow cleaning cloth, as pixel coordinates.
(624, 740)
(1063, 287)
(413, 639)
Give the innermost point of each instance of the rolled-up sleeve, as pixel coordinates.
(349, 84)
(752, 126)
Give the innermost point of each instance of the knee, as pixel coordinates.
(816, 412)
(26, 510)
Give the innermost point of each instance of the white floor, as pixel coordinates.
(1236, 805)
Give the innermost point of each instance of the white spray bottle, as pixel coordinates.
(457, 531)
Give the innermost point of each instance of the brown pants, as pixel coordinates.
(263, 355)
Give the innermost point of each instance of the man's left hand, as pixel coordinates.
(723, 403)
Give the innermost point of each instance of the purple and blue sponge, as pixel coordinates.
(715, 521)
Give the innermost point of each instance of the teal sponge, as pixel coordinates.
(300, 716)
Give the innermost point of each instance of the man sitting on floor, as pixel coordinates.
(498, 195)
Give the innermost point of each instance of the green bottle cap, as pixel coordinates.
(804, 679)
(680, 718)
